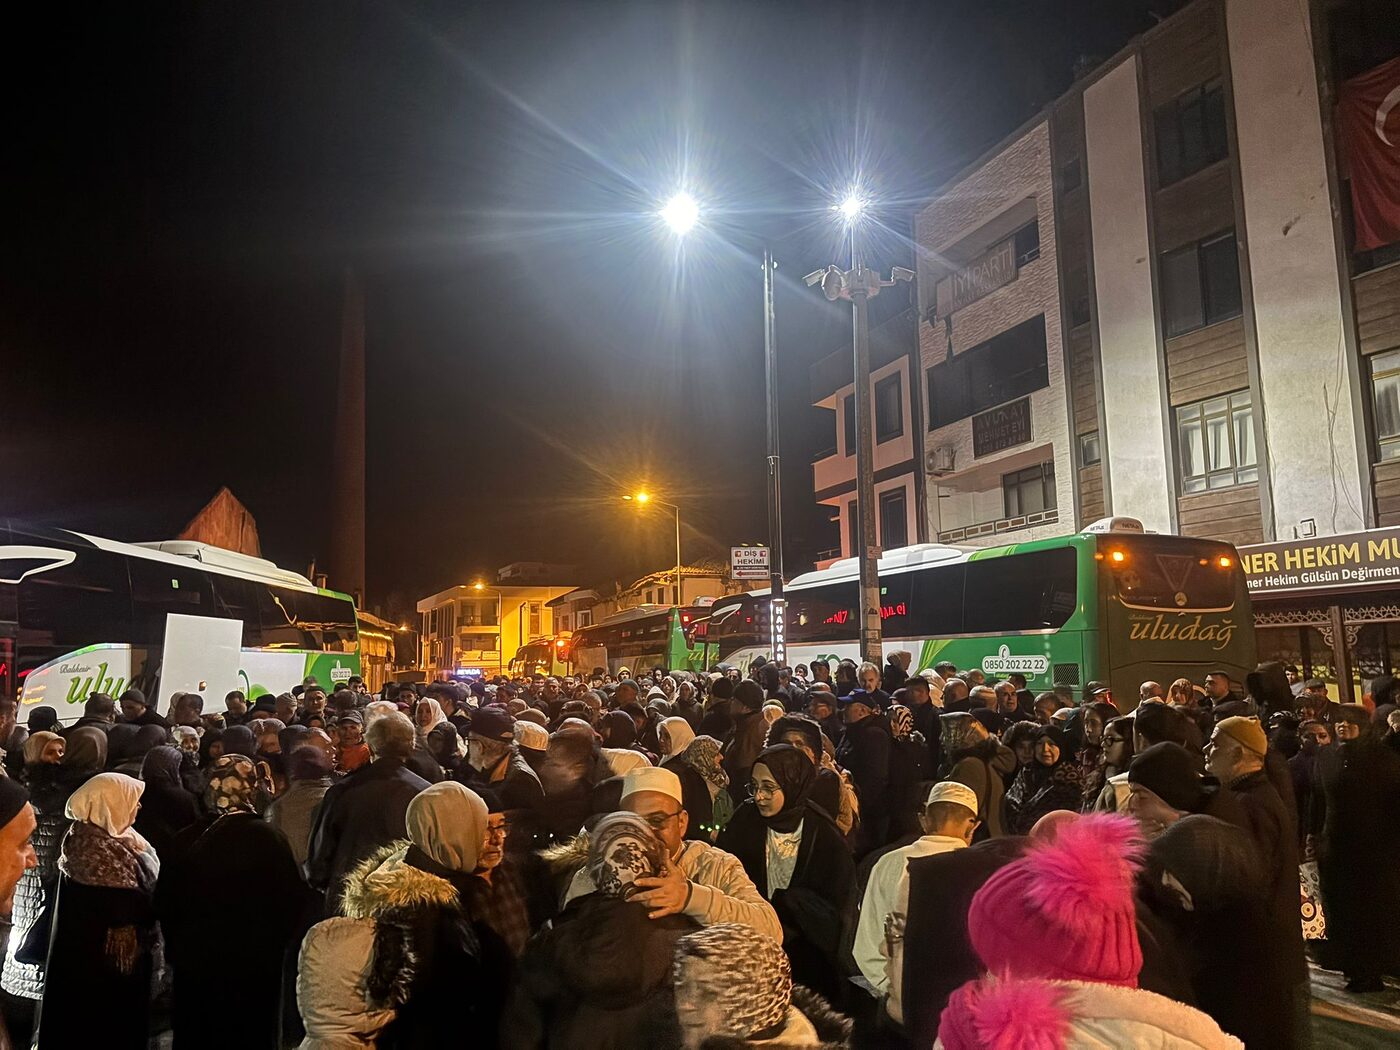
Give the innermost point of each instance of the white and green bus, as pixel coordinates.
(80, 615)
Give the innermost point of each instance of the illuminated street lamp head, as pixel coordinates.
(681, 213)
(640, 497)
(478, 586)
(852, 206)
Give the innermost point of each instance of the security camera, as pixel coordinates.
(833, 284)
(814, 278)
(899, 273)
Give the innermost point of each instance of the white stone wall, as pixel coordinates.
(1131, 382)
(1313, 458)
(1022, 171)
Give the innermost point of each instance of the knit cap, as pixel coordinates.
(1074, 917)
(1247, 732)
(1171, 773)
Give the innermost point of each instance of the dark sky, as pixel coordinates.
(185, 183)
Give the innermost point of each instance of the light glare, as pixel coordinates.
(851, 207)
(681, 213)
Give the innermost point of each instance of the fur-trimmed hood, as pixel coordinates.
(565, 858)
(384, 883)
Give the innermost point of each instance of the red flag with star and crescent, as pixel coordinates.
(1368, 119)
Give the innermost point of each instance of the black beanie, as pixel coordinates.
(12, 800)
(1169, 771)
(750, 694)
(722, 689)
(1159, 723)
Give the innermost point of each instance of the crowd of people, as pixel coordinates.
(831, 854)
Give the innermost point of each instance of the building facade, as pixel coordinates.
(1175, 295)
(474, 630)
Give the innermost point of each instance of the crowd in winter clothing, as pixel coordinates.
(822, 856)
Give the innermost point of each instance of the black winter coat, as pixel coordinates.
(357, 816)
(818, 906)
(1273, 827)
(865, 751)
(599, 979)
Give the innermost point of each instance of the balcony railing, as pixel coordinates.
(992, 528)
(824, 453)
(829, 555)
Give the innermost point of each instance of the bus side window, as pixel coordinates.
(333, 619)
(85, 603)
(234, 599)
(1020, 592)
(158, 589)
(280, 616)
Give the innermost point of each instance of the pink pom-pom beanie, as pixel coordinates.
(1065, 910)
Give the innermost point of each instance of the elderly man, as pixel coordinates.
(495, 764)
(948, 818)
(700, 880)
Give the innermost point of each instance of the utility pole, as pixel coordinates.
(776, 613)
(860, 285)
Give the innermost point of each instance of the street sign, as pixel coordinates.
(748, 563)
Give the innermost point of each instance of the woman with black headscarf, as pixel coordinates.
(798, 860)
(166, 807)
(1095, 717)
(233, 847)
(1358, 854)
(1052, 781)
(239, 740)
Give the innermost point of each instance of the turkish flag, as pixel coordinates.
(1368, 119)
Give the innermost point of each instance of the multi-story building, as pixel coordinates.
(475, 629)
(589, 605)
(1174, 294)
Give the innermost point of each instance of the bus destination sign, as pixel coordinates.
(1356, 559)
(748, 563)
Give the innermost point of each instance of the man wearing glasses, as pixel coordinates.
(701, 881)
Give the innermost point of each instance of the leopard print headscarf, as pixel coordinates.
(746, 973)
(622, 848)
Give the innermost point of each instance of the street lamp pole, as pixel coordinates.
(776, 618)
(646, 498)
(860, 285)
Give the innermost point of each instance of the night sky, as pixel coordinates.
(185, 184)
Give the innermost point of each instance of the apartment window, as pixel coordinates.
(1089, 449)
(889, 408)
(1029, 491)
(1385, 387)
(1216, 443)
(854, 522)
(585, 618)
(535, 617)
(848, 408)
(1200, 284)
(1005, 367)
(1027, 246)
(1190, 133)
(894, 522)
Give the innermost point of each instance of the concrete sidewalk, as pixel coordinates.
(1341, 1019)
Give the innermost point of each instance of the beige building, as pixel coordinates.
(472, 629)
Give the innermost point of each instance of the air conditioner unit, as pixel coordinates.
(940, 459)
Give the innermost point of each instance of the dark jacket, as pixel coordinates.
(865, 751)
(148, 717)
(357, 816)
(818, 906)
(938, 957)
(695, 797)
(238, 850)
(744, 744)
(520, 795)
(599, 978)
(983, 768)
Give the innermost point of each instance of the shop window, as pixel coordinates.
(1385, 393)
(1200, 284)
(1215, 443)
(1190, 133)
(1029, 491)
(889, 408)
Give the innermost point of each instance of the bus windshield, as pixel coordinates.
(1169, 573)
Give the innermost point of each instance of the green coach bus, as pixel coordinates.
(1112, 604)
(640, 639)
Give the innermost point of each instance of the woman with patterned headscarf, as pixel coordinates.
(233, 848)
(601, 977)
(104, 930)
(734, 984)
(798, 860)
(703, 782)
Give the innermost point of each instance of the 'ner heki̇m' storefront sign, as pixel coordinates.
(1357, 559)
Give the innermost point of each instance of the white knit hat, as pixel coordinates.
(952, 791)
(651, 778)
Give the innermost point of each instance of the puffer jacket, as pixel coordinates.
(1082, 1015)
(49, 796)
(358, 971)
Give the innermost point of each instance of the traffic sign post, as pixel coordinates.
(749, 563)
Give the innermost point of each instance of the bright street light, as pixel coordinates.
(681, 213)
(851, 207)
(644, 498)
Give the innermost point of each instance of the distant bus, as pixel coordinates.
(547, 655)
(1112, 604)
(80, 615)
(643, 638)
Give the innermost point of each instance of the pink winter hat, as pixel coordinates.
(1065, 910)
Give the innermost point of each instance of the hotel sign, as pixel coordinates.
(1357, 559)
(980, 277)
(1005, 426)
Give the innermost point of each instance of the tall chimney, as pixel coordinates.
(346, 564)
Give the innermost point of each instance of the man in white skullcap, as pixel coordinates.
(949, 818)
(699, 880)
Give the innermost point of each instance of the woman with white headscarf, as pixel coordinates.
(104, 927)
(403, 959)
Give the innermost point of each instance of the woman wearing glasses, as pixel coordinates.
(798, 860)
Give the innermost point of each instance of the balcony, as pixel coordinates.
(833, 470)
(999, 525)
